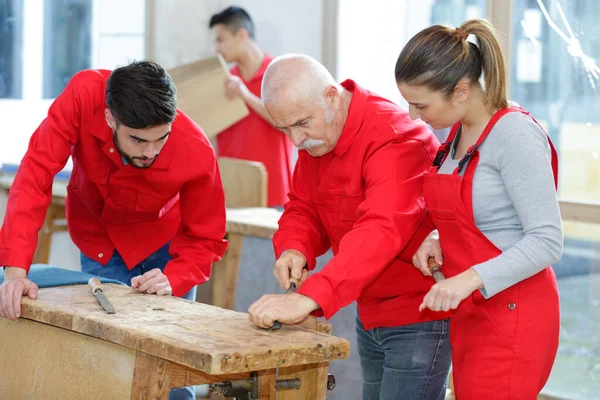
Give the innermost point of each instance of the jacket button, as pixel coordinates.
(111, 150)
(100, 255)
(512, 306)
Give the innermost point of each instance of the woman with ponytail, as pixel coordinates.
(491, 194)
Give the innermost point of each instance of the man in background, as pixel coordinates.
(254, 138)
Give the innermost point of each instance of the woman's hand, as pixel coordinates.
(429, 248)
(448, 294)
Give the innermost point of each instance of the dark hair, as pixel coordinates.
(234, 18)
(439, 57)
(141, 95)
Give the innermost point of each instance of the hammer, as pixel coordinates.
(436, 269)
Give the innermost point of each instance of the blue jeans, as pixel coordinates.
(405, 362)
(116, 269)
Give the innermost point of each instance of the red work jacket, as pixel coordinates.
(254, 139)
(111, 205)
(364, 200)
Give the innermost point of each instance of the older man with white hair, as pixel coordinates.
(356, 189)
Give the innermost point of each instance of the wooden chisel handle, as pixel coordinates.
(436, 269)
(95, 285)
(292, 289)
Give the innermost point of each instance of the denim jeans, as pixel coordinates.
(405, 362)
(116, 269)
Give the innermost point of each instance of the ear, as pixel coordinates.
(332, 96)
(462, 91)
(110, 120)
(242, 34)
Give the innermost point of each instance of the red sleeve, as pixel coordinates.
(31, 192)
(392, 210)
(300, 227)
(199, 242)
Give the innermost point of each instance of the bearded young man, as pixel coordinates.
(145, 202)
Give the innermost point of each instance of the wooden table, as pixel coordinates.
(66, 347)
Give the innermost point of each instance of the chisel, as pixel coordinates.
(98, 291)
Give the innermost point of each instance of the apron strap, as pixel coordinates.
(444, 148)
(486, 131)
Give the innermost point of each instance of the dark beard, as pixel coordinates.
(130, 160)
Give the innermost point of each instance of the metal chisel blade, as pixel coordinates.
(104, 301)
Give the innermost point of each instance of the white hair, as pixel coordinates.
(303, 77)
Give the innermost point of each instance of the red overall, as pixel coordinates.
(502, 347)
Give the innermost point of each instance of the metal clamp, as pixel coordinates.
(247, 389)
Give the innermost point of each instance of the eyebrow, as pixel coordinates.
(417, 104)
(298, 122)
(144, 140)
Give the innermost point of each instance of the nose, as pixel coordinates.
(150, 150)
(413, 113)
(297, 137)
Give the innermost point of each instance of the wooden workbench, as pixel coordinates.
(66, 347)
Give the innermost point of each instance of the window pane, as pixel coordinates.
(555, 85)
(455, 12)
(11, 43)
(553, 76)
(67, 42)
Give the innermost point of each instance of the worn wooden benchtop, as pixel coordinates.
(257, 221)
(200, 336)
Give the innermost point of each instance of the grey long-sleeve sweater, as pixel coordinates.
(514, 202)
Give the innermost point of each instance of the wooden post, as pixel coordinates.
(151, 378)
(266, 384)
(225, 274)
(313, 379)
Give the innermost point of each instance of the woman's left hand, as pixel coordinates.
(448, 294)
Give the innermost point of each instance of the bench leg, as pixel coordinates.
(225, 274)
(313, 379)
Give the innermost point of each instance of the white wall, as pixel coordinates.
(180, 32)
(366, 51)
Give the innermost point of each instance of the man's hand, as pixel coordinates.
(448, 294)
(429, 248)
(234, 87)
(291, 262)
(289, 309)
(153, 281)
(15, 286)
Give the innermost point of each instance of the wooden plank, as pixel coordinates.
(225, 274)
(580, 211)
(313, 382)
(244, 182)
(259, 222)
(44, 362)
(200, 336)
(151, 378)
(201, 95)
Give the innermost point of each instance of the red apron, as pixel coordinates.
(502, 347)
